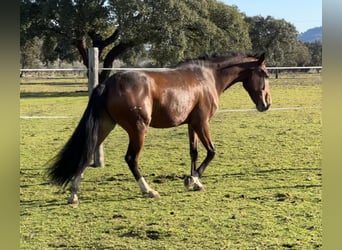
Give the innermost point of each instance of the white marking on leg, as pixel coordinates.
(73, 199)
(99, 157)
(197, 184)
(145, 188)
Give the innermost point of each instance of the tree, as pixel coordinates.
(315, 50)
(31, 53)
(173, 30)
(231, 22)
(29, 43)
(49, 51)
(278, 39)
(181, 29)
(66, 27)
(301, 55)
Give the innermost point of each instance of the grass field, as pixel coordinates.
(263, 189)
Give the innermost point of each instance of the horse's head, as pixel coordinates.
(257, 85)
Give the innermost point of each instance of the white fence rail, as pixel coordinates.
(273, 70)
(157, 69)
(294, 68)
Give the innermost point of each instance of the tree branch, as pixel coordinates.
(112, 54)
(112, 38)
(101, 43)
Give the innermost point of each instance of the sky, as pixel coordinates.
(303, 14)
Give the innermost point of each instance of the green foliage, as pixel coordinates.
(49, 50)
(31, 53)
(278, 39)
(172, 30)
(263, 188)
(233, 25)
(301, 55)
(58, 23)
(315, 49)
(176, 30)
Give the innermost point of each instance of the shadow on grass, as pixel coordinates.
(280, 170)
(84, 199)
(53, 94)
(290, 187)
(273, 171)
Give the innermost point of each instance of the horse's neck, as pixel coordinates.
(228, 77)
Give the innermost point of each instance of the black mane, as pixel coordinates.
(230, 57)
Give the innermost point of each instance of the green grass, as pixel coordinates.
(263, 189)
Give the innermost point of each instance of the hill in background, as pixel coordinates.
(311, 35)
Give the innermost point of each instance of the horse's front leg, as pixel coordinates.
(192, 181)
(193, 139)
(203, 132)
(132, 156)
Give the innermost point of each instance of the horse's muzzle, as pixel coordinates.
(262, 107)
(265, 102)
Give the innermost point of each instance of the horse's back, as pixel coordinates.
(163, 99)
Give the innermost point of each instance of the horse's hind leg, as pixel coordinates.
(105, 127)
(99, 157)
(73, 198)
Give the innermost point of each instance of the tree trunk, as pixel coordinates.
(82, 49)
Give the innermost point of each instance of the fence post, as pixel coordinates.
(93, 81)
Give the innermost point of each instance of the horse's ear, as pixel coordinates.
(261, 58)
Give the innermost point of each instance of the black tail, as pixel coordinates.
(77, 153)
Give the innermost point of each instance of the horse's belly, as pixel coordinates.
(170, 116)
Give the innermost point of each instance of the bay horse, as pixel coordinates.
(135, 100)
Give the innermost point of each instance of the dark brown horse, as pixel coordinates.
(188, 94)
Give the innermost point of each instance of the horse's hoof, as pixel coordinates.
(73, 200)
(188, 182)
(152, 194)
(199, 188)
(98, 165)
(193, 183)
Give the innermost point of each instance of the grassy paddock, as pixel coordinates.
(263, 189)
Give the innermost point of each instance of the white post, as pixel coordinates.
(93, 81)
(93, 73)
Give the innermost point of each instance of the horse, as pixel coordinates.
(136, 100)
